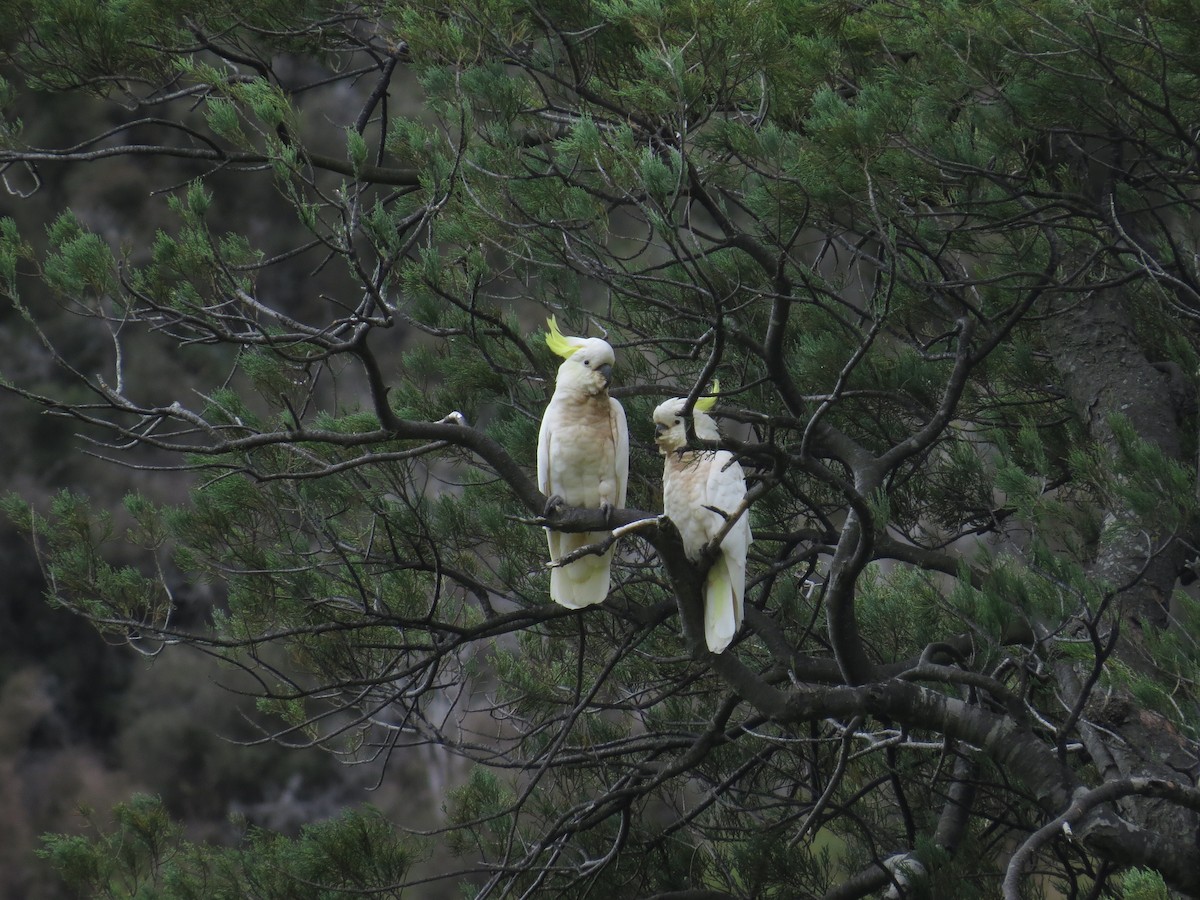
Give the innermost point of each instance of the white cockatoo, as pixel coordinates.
(583, 460)
(696, 483)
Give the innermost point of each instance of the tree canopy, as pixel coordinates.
(941, 257)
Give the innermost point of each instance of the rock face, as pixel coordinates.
(1106, 375)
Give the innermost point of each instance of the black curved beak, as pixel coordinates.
(659, 431)
(606, 371)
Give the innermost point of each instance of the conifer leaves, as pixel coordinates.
(145, 854)
(76, 542)
(12, 250)
(860, 216)
(80, 264)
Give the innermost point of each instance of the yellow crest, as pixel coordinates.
(704, 404)
(559, 344)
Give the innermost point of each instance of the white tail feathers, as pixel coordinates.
(722, 604)
(585, 581)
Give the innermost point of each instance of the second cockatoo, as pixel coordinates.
(583, 460)
(696, 484)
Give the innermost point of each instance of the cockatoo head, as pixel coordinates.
(587, 362)
(670, 426)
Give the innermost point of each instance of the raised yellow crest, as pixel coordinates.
(559, 344)
(704, 404)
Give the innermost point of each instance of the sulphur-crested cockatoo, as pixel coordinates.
(583, 460)
(696, 483)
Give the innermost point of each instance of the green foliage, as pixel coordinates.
(12, 250)
(79, 262)
(75, 44)
(860, 217)
(1155, 487)
(904, 608)
(483, 804)
(1143, 884)
(146, 855)
(118, 598)
(356, 150)
(222, 117)
(1176, 654)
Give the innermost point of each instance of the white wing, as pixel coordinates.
(545, 439)
(725, 591)
(545, 448)
(620, 431)
(724, 490)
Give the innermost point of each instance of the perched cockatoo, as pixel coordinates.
(695, 484)
(583, 460)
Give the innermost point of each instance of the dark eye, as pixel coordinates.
(588, 363)
(679, 421)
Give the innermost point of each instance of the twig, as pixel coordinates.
(599, 548)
